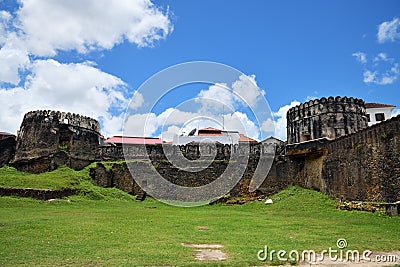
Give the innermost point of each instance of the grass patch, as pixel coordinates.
(61, 178)
(125, 233)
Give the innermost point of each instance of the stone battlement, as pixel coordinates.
(327, 105)
(325, 118)
(76, 120)
(376, 133)
(191, 151)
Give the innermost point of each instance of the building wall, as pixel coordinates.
(387, 111)
(325, 117)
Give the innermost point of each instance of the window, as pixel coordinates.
(368, 117)
(379, 117)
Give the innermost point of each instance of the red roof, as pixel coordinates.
(244, 138)
(209, 134)
(209, 131)
(133, 140)
(378, 105)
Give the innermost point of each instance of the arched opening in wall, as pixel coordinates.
(305, 136)
(316, 128)
(345, 126)
(65, 138)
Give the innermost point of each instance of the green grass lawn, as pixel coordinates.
(59, 179)
(122, 232)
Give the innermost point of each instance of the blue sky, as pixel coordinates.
(90, 57)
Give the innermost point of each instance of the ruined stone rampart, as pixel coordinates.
(325, 117)
(47, 139)
(58, 117)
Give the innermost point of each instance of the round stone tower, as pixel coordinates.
(325, 117)
(47, 139)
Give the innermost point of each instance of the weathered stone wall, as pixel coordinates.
(190, 151)
(42, 194)
(325, 117)
(7, 150)
(365, 165)
(118, 175)
(361, 166)
(47, 139)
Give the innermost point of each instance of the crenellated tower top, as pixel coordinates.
(330, 117)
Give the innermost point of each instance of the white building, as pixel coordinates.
(212, 135)
(378, 112)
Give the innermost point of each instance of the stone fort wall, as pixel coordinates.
(361, 165)
(190, 151)
(365, 165)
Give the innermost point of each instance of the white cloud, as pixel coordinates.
(387, 80)
(389, 31)
(239, 121)
(86, 25)
(149, 123)
(175, 116)
(382, 57)
(246, 87)
(77, 88)
(242, 92)
(369, 76)
(175, 120)
(13, 58)
(280, 120)
(112, 124)
(141, 125)
(169, 134)
(5, 18)
(215, 98)
(383, 70)
(43, 27)
(137, 100)
(387, 77)
(396, 112)
(218, 108)
(361, 57)
(268, 125)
